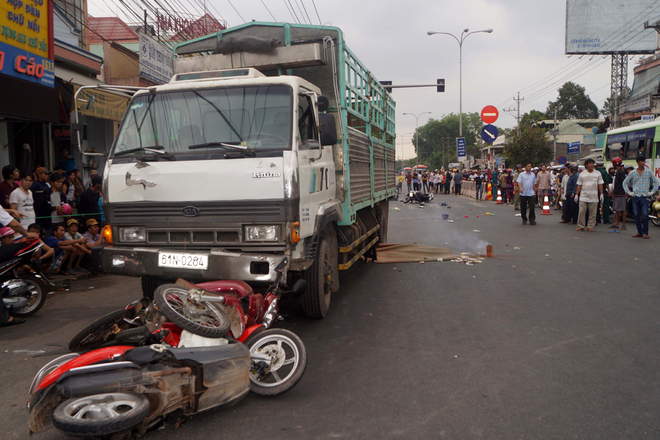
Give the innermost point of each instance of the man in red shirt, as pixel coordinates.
(10, 174)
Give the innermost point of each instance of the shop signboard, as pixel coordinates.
(106, 105)
(26, 33)
(155, 60)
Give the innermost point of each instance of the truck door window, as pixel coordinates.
(306, 125)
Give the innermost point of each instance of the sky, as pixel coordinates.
(524, 53)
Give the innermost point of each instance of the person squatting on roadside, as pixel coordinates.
(526, 184)
(589, 192)
(640, 185)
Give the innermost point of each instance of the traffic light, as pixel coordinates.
(387, 83)
(441, 85)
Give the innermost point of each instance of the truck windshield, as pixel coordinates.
(253, 118)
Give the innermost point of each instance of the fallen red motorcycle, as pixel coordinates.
(169, 359)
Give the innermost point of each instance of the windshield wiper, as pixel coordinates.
(150, 149)
(217, 144)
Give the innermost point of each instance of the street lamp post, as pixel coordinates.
(403, 145)
(416, 131)
(466, 33)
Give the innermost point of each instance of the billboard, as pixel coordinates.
(26, 35)
(155, 60)
(610, 26)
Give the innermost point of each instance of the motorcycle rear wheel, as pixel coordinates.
(288, 361)
(406, 199)
(101, 414)
(204, 319)
(100, 332)
(37, 297)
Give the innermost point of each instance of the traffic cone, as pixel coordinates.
(546, 207)
(499, 197)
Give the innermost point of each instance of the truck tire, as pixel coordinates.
(316, 298)
(149, 286)
(382, 217)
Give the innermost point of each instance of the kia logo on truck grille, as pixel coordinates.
(190, 211)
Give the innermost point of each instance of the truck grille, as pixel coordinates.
(192, 237)
(216, 212)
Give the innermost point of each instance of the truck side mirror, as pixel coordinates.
(78, 127)
(322, 103)
(328, 129)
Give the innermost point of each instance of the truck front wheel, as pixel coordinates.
(320, 276)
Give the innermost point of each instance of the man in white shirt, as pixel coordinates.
(589, 191)
(22, 201)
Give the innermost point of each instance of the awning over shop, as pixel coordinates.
(27, 100)
(75, 77)
(106, 105)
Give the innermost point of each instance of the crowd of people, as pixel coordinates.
(58, 207)
(586, 195)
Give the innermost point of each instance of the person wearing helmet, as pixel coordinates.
(7, 236)
(619, 195)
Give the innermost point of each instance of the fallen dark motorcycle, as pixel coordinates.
(417, 197)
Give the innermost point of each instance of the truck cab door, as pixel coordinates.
(317, 168)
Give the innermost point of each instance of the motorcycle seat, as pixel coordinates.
(6, 252)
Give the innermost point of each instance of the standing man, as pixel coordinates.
(643, 186)
(89, 201)
(589, 192)
(458, 181)
(526, 184)
(11, 175)
(66, 161)
(22, 201)
(543, 182)
(560, 187)
(604, 206)
(493, 184)
(448, 180)
(57, 199)
(41, 194)
(571, 188)
(478, 184)
(516, 195)
(618, 194)
(409, 180)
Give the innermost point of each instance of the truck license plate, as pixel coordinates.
(183, 261)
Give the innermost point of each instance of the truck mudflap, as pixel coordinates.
(222, 265)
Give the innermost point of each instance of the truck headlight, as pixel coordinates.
(262, 233)
(132, 235)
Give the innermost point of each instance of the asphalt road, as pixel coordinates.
(555, 338)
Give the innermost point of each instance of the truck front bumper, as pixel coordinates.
(139, 261)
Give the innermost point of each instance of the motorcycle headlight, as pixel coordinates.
(262, 233)
(49, 368)
(132, 235)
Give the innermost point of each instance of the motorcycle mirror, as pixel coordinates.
(299, 287)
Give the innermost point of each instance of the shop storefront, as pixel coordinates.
(29, 100)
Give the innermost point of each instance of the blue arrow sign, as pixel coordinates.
(489, 133)
(460, 149)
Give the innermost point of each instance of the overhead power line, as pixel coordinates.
(271, 14)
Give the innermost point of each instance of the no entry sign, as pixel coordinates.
(489, 114)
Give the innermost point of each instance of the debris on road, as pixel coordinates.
(450, 221)
(488, 213)
(445, 216)
(476, 230)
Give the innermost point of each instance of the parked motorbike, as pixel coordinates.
(23, 293)
(418, 197)
(654, 209)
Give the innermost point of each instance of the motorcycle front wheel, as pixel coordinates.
(203, 318)
(37, 297)
(101, 414)
(406, 199)
(101, 332)
(288, 360)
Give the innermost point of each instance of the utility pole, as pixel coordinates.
(518, 118)
(554, 132)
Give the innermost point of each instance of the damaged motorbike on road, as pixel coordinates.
(196, 347)
(418, 197)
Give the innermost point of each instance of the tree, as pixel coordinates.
(608, 105)
(531, 146)
(573, 103)
(437, 139)
(532, 117)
